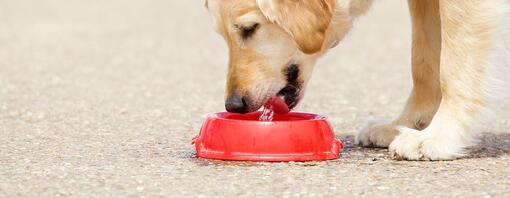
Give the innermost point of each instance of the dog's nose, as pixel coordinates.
(236, 104)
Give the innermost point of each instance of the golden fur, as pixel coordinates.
(305, 21)
(453, 42)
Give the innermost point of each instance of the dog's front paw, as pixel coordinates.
(411, 144)
(377, 134)
(407, 145)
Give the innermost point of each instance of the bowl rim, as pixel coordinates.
(316, 117)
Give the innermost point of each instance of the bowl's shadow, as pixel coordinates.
(212, 162)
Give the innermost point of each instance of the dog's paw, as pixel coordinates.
(407, 145)
(411, 144)
(377, 134)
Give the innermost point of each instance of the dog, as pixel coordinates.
(274, 44)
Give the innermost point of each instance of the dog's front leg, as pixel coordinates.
(426, 95)
(467, 28)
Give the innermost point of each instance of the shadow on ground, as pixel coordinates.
(489, 145)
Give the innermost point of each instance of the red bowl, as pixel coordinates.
(289, 137)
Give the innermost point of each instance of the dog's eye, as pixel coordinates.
(248, 32)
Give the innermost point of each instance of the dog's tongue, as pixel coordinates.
(278, 105)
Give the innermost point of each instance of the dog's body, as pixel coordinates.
(275, 43)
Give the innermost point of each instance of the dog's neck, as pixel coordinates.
(339, 27)
(345, 13)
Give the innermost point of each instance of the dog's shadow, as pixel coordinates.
(489, 145)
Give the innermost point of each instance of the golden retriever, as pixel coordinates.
(273, 45)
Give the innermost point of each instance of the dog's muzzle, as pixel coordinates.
(291, 91)
(290, 94)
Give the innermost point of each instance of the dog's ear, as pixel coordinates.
(305, 20)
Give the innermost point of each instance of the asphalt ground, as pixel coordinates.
(102, 98)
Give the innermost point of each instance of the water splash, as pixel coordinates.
(275, 105)
(267, 114)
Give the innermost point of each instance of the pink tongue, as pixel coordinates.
(279, 106)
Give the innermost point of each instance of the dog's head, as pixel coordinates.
(273, 46)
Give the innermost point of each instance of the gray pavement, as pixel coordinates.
(101, 99)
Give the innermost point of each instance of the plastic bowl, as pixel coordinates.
(289, 137)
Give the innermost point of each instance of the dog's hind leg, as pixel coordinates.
(426, 94)
(467, 32)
